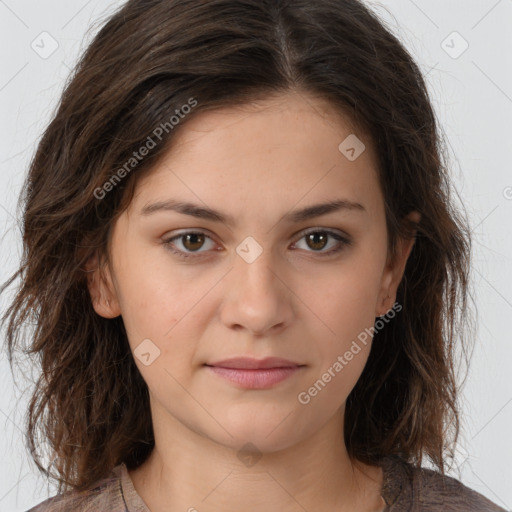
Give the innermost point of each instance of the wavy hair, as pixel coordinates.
(149, 58)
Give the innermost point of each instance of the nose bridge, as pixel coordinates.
(255, 265)
(257, 299)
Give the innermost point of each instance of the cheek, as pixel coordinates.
(347, 304)
(158, 306)
(153, 294)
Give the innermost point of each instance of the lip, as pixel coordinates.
(250, 373)
(251, 363)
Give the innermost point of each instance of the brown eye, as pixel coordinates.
(317, 240)
(193, 241)
(188, 243)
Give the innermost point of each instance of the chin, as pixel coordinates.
(261, 431)
(258, 443)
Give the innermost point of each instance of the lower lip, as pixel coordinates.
(254, 379)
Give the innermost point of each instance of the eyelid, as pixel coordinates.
(316, 229)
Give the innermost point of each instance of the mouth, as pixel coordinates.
(250, 373)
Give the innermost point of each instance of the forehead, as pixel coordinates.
(285, 118)
(282, 151)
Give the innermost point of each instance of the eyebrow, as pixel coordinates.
(294, 216)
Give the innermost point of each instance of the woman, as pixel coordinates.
(245, 268)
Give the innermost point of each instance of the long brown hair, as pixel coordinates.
(149, 60)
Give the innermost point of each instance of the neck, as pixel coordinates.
(190, 472)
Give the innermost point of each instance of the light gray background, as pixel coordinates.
(472, 93)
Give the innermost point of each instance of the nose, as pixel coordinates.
(257, 297)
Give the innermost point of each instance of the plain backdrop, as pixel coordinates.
(462, 46)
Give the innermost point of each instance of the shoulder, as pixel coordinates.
(106, 494)
(408, 487)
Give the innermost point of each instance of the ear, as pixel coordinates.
(101, 288)
(394, 270)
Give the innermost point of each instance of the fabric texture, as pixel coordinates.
(405, 488)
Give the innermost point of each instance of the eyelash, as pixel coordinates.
(344, 241)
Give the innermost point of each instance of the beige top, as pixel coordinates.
(405, 489)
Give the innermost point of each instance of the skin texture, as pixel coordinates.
(255, 164)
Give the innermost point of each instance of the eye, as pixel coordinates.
(317, 239)
(191, 241)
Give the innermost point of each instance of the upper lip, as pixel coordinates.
(250, 363)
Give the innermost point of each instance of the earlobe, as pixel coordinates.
(101, 289)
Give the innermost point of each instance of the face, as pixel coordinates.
(263, 277)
